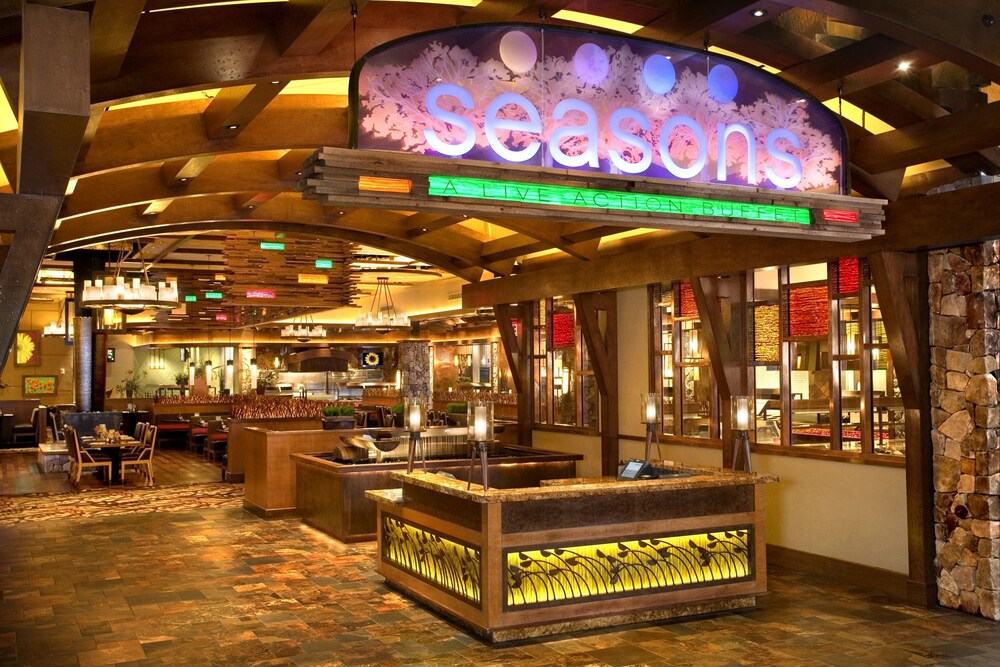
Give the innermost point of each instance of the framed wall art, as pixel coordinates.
(40, 385)
(28, 348)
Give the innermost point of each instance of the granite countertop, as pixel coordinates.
(700, 478)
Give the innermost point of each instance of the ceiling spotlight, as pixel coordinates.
(988, 20)
(234, 126)
(275, 83)
(758, 13)
(183, 179)
(903, 66)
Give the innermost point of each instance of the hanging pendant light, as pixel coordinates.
(135, 296)
(303, 330)
(381, 316)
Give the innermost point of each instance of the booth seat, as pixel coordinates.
(85, 422)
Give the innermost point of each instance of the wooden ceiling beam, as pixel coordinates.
(307, 26)
(154, 207)
(251, 200)
(112, 26)
(227, 175)
(290, 164)
(931, 25)
(287, 212)
(929, 140)
(494, 11)
(856, 66)
(691, 20)
(134, 136)
(511, 247)
(180, 172)
(550, 234)
(419, 224)
(234, 107)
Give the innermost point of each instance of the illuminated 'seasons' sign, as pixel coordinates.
(562, 98)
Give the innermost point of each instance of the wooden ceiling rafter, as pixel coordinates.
(234, 107)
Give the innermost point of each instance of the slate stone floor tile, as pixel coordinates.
(210, 585)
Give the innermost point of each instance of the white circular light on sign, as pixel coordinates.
(518, 52)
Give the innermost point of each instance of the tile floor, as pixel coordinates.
(215, 585)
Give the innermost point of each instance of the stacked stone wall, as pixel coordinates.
(965, 418)
(415, 364)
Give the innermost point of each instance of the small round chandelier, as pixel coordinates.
(381, 316)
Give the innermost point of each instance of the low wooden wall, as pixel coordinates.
(236, 454)
(269, 480)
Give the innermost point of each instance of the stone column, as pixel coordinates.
(415, 364)
(965, 356)
(83, 363)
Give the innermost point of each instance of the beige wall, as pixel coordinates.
(56, 357)
(589, 446)
(855, 513)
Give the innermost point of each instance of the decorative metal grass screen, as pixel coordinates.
(449, 565)
(560, 574)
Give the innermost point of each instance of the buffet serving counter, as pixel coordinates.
(575, 553)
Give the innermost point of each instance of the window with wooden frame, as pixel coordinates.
(821, 371)
(565, 387)
(683, 377)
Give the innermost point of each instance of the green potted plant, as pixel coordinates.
(338, 417)
(131, 383)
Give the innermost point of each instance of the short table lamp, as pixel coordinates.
(741, 416)
(480, 425)
(415, 416)
(650, 416)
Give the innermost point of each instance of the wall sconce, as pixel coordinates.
(650, 416)
(415, 411)
(740, 421)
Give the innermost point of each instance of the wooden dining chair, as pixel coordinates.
(197, 435)
(218, 439)
(81, 458)
(143, 458)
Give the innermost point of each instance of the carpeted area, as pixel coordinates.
(113, 501)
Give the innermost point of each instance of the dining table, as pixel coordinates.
(113, 448)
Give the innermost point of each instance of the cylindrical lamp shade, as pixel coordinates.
(191, 375)
(650, 405)
(229, 375)
(480, 417)
(741, 413)
(414, 414)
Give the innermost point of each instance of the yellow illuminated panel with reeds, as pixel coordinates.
(447, 564)
(651, 565)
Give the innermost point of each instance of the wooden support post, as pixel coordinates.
(722, 331)
(598, 316)
(900, 281)
(53, 107)
(518, 346)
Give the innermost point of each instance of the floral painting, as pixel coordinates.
(28, 348)
(40, 385)
(555, 97)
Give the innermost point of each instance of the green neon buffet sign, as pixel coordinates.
(562, 195)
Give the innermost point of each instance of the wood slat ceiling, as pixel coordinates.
(193, 179)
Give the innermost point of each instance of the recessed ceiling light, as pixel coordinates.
(903, 66)
(234, 126)
(758, 13)
(275, 83)
(183, 179)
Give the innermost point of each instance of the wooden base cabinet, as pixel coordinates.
(576, 554)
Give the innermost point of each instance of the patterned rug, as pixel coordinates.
(112, 502)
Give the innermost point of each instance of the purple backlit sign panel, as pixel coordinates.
(562, 98)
